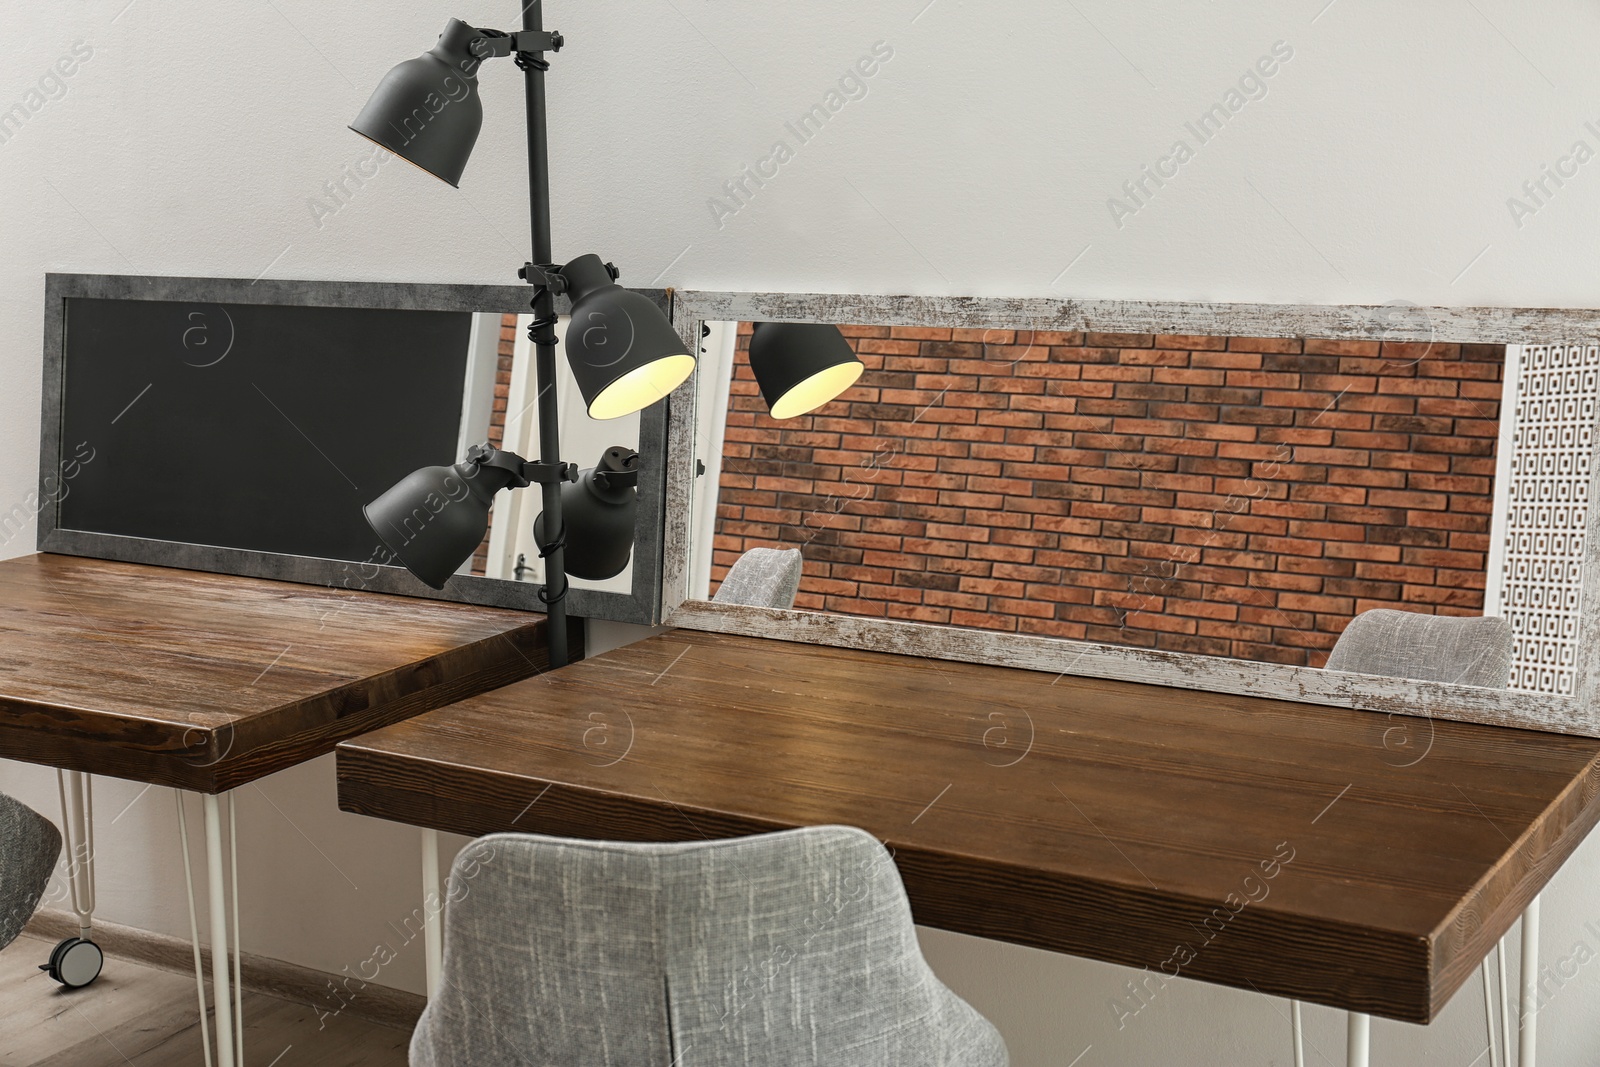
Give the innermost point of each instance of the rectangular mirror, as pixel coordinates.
(241, 427)
(1202, 507)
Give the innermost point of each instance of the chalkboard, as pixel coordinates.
(238, 425)
(251, 426)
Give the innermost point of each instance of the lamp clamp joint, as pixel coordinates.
(547, 275)
(497, 44)
(545, 473)
(486, 455)
(539, 40)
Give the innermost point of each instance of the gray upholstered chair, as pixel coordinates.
(30, 844)
(793, 948)
(763, 578)
(1431, 648)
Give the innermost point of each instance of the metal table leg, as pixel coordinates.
(1358, 1042)
(1505, 1003)
(227, 992)
(1489, 1013)
(194, 928)
(432, 909)
(1528, 1028)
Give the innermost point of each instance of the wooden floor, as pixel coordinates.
(140, 1016)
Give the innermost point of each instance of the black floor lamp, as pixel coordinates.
(623, 352)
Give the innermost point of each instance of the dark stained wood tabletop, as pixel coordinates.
(1337, 856)
(208, 681)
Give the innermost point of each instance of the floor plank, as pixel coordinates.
(147, 1017)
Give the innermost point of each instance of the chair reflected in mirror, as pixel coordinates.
(763, 578)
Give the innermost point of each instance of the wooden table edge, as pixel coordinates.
(566, 810)
(216, 760)
(1577, 804)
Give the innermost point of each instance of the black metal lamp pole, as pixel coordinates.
(542, 334)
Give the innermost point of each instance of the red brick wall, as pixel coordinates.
(497, 417)
(1225, 496)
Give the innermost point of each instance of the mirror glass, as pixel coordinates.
(502, 408)
(1237, 497)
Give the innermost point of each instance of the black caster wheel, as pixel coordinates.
(75, 962)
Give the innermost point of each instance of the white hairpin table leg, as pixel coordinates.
(1528, 1027)
(238, 957)
(1505, 1003)
(1489, 1012)
(217, 902)
(432, 910)
(194, 927)
(1358, 1045)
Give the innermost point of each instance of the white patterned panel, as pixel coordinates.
(1547, 506)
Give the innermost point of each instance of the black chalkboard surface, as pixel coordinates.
(252, 426)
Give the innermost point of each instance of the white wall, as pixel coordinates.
(1376, 168)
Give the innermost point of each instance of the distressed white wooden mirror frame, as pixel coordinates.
(1577, 713)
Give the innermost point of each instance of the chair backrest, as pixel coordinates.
(793, 948)
(1431, 648)
(29, 847)
(763, 578)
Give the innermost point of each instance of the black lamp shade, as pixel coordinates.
(426, 110)
(801, 366)
(435, 518)
(600, 525)
(624, 353)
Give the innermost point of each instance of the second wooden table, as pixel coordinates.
(1263, 844)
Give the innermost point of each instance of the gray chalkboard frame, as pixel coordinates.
(641, 605)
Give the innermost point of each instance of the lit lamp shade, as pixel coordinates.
(599, 517)
(426, 110)
(801, 366)
(624, 353)
(433, 519)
